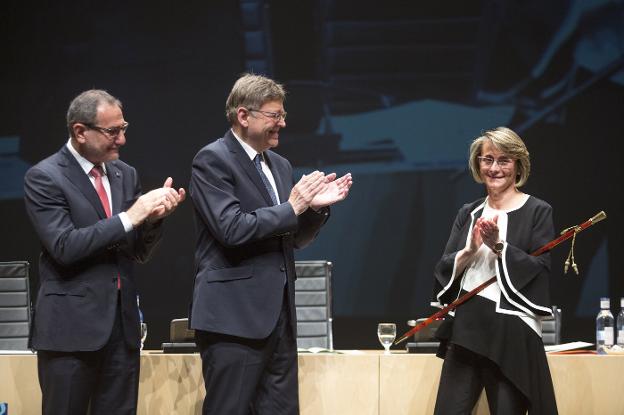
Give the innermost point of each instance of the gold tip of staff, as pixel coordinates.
(599, 216)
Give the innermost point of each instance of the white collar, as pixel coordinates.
(248, 149)
(85, 164)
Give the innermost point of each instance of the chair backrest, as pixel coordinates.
(424, 340)
(313, 303)
(179, 331)
(551, 328)
(426, 334)
(14, 305)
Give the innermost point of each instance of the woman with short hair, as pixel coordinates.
(494, 341)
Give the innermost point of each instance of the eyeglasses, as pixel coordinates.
(112, 132)
(275, 116)
(503, 162)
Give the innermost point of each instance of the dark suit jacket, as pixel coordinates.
(245, 245)
(83, 252)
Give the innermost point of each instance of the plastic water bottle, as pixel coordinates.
(604, 327)
(620, 326)
(142, 324)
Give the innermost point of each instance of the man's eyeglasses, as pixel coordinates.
(112, 132)
(503, 162)
(275, 116)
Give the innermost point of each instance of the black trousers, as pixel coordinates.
(464, 375)
(251, 376)
(105, 381)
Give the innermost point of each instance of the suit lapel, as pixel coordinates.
(247, 165)
(115, 180)
(283, 190)
(75, 174)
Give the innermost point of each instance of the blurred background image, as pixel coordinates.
(392, 91)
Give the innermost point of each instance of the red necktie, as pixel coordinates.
(97, 173)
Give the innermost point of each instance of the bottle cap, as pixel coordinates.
(605, 303)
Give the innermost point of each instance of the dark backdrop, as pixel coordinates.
(393, 92)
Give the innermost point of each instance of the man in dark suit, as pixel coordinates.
(250, 217)
(93, 223)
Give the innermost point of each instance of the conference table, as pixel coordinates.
(340, 383)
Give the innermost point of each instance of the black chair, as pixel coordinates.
(551, 328)
(14, 305)
(424, 340)
(313, 304)
(181, 337)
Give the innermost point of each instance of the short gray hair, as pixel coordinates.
(252, 91)
(508, 142)
(84, 107)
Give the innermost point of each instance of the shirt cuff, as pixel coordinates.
(323, 211)
(125, 221)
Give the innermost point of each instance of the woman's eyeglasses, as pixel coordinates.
(503, 162)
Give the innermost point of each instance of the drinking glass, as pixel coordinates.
(386, 333)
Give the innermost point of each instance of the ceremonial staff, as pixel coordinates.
(565, 235)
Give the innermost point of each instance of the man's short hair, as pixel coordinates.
(252, 91)
(84, 107)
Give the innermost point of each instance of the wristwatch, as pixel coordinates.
(498, 247)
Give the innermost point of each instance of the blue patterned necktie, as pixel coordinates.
(265, 180)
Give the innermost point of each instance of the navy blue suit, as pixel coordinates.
(244, 284)
(79, 310)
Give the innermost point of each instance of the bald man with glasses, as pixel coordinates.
(94, 223)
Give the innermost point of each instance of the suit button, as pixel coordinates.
(283, 268)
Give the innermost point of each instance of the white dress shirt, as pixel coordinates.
(86, 165)
(265, 167)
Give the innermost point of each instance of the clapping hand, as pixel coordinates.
(475, 240)
(335, 190)
(169, 202)
(489, 231)
(306, 190)
(156, 204)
